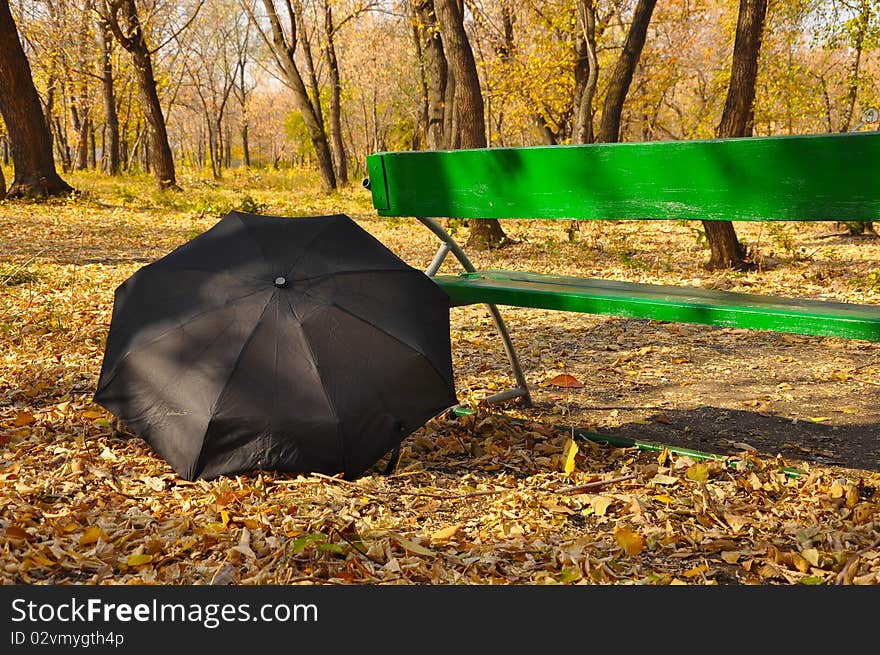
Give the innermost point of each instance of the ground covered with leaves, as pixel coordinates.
(735, 457)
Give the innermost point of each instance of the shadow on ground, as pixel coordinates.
(722, 431)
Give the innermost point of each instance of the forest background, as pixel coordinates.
(357, 76)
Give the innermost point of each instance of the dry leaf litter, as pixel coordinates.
(498, 497)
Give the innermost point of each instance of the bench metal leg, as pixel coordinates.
(448, 244)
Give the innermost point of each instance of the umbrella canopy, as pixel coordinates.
(300, 345)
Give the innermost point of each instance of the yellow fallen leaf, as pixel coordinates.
(697, 472)
(42, 560)
(664, 498)
(139, 560)
(91, 535)
(800, 563)
(600, 504)
(91, 414)
(413, 547)
(224, 516)
(812, 556)
(697, 570)
(819, 419)
(631, 542)
(445, 534)
(571, 449)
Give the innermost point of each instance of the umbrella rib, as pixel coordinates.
(388, 334)
(171, 329)
(327, 396)
(244, 346)
(305, 247)
(314, 359)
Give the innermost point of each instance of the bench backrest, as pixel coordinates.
(827, 177)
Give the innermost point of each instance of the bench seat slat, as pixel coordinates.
(664, 303)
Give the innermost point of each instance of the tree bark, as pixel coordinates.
(29, 137)
(621, 78)
(111, 155)
(736, 121)
(586, 71)
(436, 71)
(337, 146)
(484, 233)
(130, 35)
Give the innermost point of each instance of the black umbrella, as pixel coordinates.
(300, 345)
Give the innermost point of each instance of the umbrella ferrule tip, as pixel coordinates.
(280, 282)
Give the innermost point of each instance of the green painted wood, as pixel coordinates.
(664, 303)
(829, 177)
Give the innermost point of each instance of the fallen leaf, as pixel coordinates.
(42, 560)
(225, 575)
(800, 563)
(695, 571)
(600, 504)
(445, 534)
(413, 547)
(22, 419)
(698, 472)
(731, 556)
(571, 449)
(631, 542)
(812, 556)
(15, 532)
(565, 381)
(91, 536)
(139, 560)
(661, 478)
(735, 521)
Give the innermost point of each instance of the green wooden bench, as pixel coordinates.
(833, 177)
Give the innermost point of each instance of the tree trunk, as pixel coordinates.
(484, 233)
(245, 145)
(621, 78)
(420, 134)
(284, 51)
(338, 148)
(736, 121)
(160, 159)
(586, 71)
(29, 137)
(436, 71)
(111, 155)
(61, 144)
